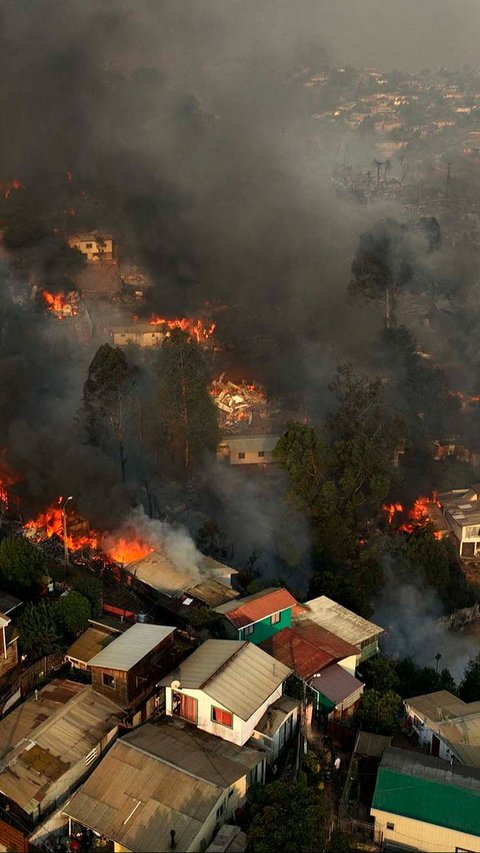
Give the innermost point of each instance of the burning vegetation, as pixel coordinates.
(197, 329)
(419, 515)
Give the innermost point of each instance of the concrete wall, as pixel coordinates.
(417, 835)
(240, 732)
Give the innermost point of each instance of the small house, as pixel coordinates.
(344, 623)
(165, 786)
(325, 662)
(224, 688)
(167, 571)
(446, 726)
(127, 670)
(247, 449)
(425, 803)
(256, 617)
(93, 640)
(94, 247)
(140, 334)
(9, 633)
(50, 743)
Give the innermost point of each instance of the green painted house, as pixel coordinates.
(425, 803)
(257, 617)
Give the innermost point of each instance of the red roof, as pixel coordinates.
(307, 648)
(253, 608)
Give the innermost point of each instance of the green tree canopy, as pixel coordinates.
(287, 816)
(380, 674)
(38, 630)
(91, 589)
(72, 613)
(379, 711)
(469, 687)
(23, 567)
(185, 415)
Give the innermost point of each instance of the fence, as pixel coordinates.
(362, 830)
(29, 678)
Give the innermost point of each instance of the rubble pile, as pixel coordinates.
(238, 404)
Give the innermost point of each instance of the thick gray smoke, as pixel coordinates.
(411, 615)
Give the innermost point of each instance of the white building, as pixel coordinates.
(224, 688)
(461, 509)
(247, 449)
(446, 726)
(95, 247)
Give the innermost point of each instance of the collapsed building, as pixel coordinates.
(248, 421)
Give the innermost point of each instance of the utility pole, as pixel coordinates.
(378, 164)
(65, 545)
(447, 186)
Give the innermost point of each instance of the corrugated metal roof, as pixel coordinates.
(234, 673)
(336, 684)
(41, 740)
(128, 649)
(430, 790)
(307, 648)
(371, 744)
(212, 592)
(171, 570)
(441, 705)
(187, 748)
(159, 777)
(276, 714)
(91, 642)
(340, 621)
(252, 608)
(457, 722)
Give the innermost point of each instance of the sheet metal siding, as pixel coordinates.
(264, 629)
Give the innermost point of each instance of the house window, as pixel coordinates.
(416, 722)
(241, 455)
(275, 618)
(261, 454)
(220, 810)
(108, 680)
(89, 245)
(249, 630)
(184, 707)
(225, 718)
(390, 826)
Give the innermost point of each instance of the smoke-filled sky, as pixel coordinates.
(183, 124)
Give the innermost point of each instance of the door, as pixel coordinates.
(435, 746)
(184, 707)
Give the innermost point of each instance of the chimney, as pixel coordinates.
(172, 839)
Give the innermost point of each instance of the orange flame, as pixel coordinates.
(57, 303)
(196, 329)
(391, 509)
(127, 550)
(6, 189)
(419, 516)
(121, 548)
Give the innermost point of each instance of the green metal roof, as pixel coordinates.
(432, 802)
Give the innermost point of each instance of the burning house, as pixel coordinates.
(240, 405)
(153, 332)
(94, 247)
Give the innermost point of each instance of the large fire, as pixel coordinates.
(196, 329)
(418, 515)
(60, 304)
(119, 547)
(6, 189)
(237, 402)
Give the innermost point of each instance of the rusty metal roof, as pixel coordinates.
(255, 607)
(91, 642)
(44, 738)
(235, 673)
(159, 778)
(308, 648)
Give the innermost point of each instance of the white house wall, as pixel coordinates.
(350, 664)
(417, 835)
(240, 732)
